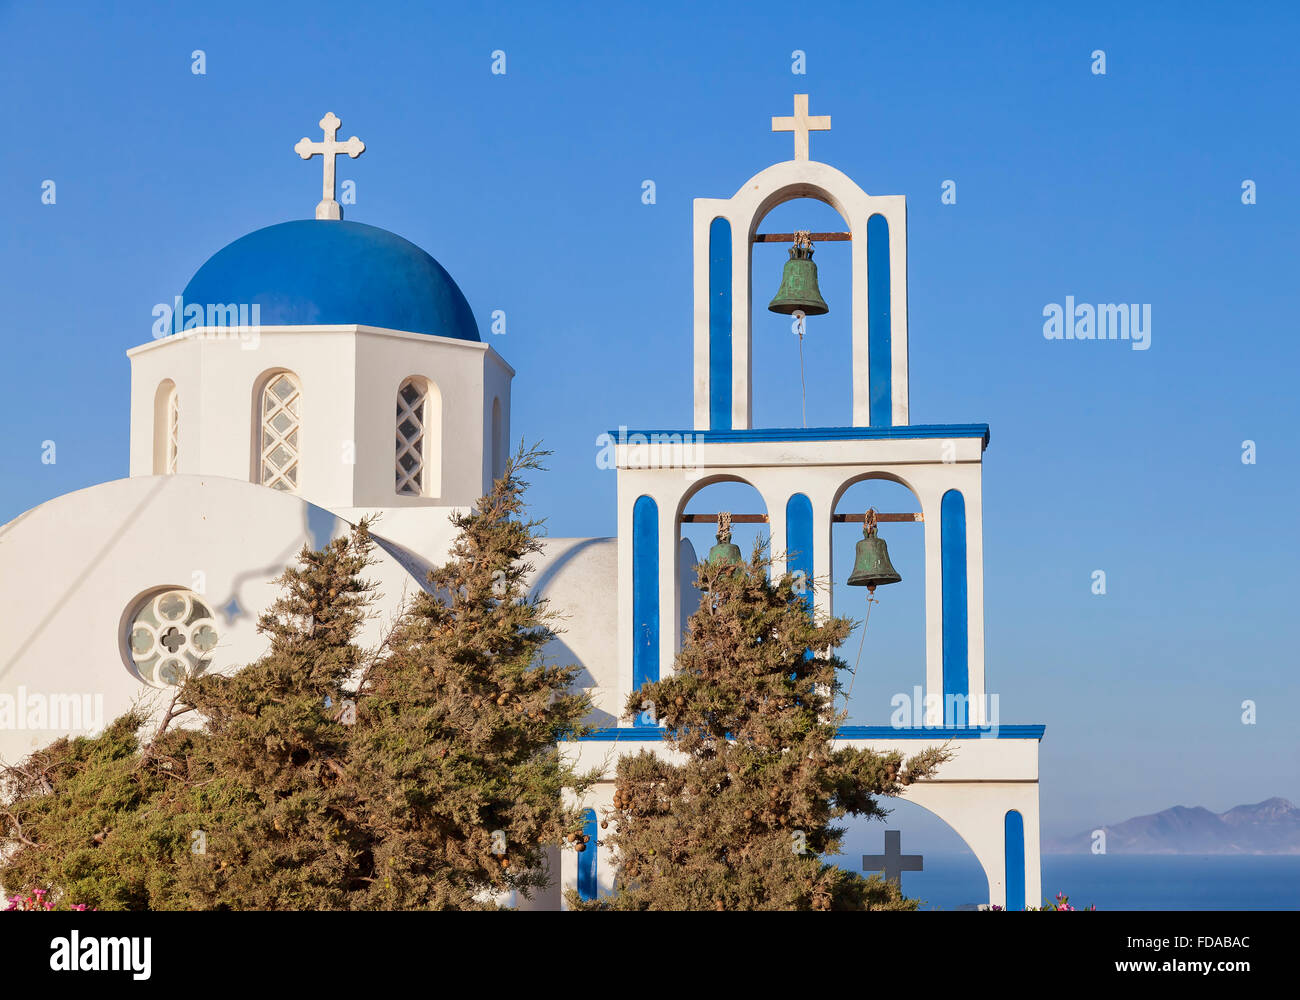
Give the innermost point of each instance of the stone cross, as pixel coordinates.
(329, 148)
(801, 124)
(893, 862)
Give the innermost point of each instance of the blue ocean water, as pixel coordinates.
(1126, 881)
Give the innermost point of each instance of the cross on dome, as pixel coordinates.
(801, 124)
(329, 148)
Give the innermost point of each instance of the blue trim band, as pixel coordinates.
(952, 544)
(1015, 860)
(1008, 732)
(775, 434)
(880, 364)
(651, 734)
(645, 591)
(720, 324)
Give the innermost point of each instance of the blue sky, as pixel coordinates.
(527, 187)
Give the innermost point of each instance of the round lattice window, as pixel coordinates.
(171, 637)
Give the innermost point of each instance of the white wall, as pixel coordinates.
(349, 377)
(72, 568)
(971, 793)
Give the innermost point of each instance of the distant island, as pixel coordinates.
(1268, 827)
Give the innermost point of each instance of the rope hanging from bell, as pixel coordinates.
(871, 569)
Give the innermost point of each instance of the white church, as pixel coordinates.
(321, 370)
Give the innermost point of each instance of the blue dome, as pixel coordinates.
(325, 272)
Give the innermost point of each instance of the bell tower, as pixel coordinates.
(989, 794)
(802, 473)
(725, 231)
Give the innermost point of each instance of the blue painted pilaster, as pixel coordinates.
(952, 540)
(880, 368)
(1015, 860)
(799, 541)
(587, 859)
(720, 324)
(645, 593)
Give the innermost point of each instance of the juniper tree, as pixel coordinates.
(273, 823)
(454, 762)
(243, 809)
(85, 820)
(746, 821)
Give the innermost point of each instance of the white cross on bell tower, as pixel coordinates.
(329, 148)
(801, 123)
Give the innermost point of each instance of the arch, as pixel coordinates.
(861, 477)
(733, 493)
(902, 813)
(889, 649)
(975, 811)
(645, 594)
(672, 561)
(587, 884)
(498, 440)
(773, 364)
(418, 438)
(745, 211)
(1015, 859)
(277, 450)
(705, 482)
(956, 667)
(793, 190)
(166, 429)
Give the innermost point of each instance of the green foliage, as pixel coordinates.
(274, 819)
(744, 822)
(82, 817)
(1060, 903)
(455, 763)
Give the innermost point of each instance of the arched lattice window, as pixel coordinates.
(281, 409)
(173, 430)
(166, 429)
(412, 436)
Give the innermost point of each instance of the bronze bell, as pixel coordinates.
(799, 291)
(726, 552)
(872, 567)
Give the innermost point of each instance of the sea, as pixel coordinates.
(1125, 881)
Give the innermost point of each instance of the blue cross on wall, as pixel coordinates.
(893, 862)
